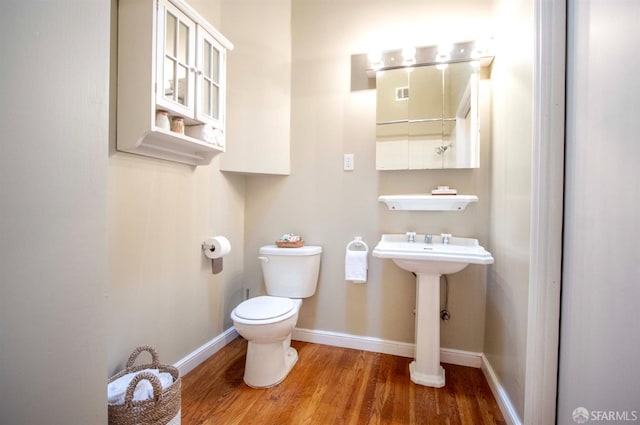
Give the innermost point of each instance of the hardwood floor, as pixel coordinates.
(332, 385)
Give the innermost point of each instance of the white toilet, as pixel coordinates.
(266, 322)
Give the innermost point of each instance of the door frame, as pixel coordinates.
(547, 194)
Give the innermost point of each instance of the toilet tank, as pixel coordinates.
(291, 272)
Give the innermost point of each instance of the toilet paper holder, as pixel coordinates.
(205, 247)
(208, 250)
(215, 248)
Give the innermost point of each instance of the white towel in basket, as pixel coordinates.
(117, 389)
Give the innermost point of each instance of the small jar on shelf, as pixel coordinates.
(162, 119)
(177, 125)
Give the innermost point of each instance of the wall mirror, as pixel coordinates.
(427, 106)
(427, 117)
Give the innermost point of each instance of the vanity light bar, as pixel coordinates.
(429, 55)
(365, 65)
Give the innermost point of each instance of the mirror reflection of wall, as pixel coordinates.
(427, 117)
(392, 126)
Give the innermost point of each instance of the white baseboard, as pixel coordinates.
(377, 345)
(199, 355)
(356, 342)
(460, 357)
(506, 407)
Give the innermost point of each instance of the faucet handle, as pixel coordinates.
(446, 237)
(411, 236)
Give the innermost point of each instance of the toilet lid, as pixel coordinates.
(265, 307)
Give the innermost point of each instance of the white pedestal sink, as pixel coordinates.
(429, 261)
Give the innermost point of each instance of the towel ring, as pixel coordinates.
(357, 242)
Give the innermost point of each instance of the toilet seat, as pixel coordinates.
(265, 309)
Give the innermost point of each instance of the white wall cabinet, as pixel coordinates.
(170, 59)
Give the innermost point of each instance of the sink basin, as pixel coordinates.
(428, 261)
(434, 258)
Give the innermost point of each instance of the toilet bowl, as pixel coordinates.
(267, 322)
(270, 356)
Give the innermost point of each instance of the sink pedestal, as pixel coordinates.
(426, 369)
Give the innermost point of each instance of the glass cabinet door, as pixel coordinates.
(210, 80)
(176, 60)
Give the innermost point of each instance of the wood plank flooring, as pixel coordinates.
(332, 385)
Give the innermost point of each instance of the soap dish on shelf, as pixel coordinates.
(444, 190)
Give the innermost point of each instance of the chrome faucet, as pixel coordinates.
(411, 236)
(446, 237)
(428, 238)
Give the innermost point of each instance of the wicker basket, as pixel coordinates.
(282, 244)
(162, 409)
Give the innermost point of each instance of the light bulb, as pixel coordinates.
(444, 52)
(480, 48)
(409, 56)
(375, 59)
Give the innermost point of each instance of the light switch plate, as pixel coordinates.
(348, 162)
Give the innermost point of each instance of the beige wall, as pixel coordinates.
(161, 289)
(259, 86)
(329, 206)
(508, 281)
(53, 192)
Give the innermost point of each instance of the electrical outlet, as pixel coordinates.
(348, 162)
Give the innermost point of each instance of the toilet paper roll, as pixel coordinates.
(216, 247)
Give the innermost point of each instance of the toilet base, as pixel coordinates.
(268, 364)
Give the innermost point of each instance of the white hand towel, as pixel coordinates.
(355, 266)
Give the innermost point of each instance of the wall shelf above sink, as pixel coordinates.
(423, 202)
